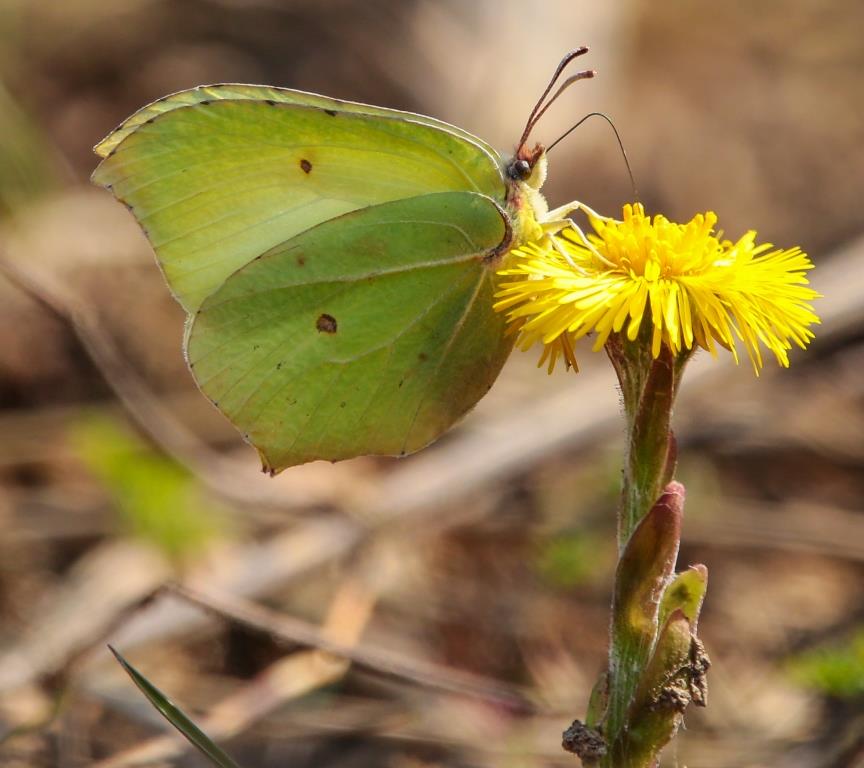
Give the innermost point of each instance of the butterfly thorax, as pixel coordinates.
(525, 202)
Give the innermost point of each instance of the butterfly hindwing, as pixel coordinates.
(369, 333)
(216, 183)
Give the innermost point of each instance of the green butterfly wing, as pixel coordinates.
(336, 261)
(369, 333)
(216, 183)
(241, 92)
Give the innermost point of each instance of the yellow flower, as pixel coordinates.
(683, 280)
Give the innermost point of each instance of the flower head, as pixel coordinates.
(684, 282)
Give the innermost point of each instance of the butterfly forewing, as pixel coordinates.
(263, 93)
(215, 184)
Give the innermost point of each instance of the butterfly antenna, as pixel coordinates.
(617, 137)
(585, 74)
(558, 70)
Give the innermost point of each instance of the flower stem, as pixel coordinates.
(645, 568)
(650, 458)
(649, 523)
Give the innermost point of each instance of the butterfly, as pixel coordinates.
(336, 261)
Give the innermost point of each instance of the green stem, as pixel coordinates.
(647, 553)
(645, 568)
(650, 460)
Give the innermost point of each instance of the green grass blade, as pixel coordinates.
(174, 715)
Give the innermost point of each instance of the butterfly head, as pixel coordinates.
(528, 166)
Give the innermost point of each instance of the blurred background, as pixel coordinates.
(464, 590)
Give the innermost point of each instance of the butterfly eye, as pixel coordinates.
(519, 169)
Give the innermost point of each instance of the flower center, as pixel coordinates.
(658, 249)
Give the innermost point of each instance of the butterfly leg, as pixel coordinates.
(556, 220)
(562, 212)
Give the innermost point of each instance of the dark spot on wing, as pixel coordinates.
(301, 261)
(342, 404)
(422, 357)
(205, 102)
(326, 324)
(331, 112)
(306, 165)
(279, 365)
(270, 102)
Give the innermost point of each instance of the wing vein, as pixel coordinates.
(457, 329)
